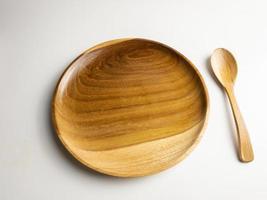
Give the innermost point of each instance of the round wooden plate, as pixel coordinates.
(130, 107)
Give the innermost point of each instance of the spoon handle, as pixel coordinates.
(245, 147)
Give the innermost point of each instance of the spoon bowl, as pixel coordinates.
(224, 66)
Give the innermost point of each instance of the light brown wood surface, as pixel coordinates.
(130, 107)
(225, 69)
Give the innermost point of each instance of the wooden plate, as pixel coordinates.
(130, 107)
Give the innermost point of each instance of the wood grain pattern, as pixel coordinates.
(130, 107)
(225, 69)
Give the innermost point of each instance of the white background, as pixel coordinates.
(38, 39)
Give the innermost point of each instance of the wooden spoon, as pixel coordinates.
(224, 67)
